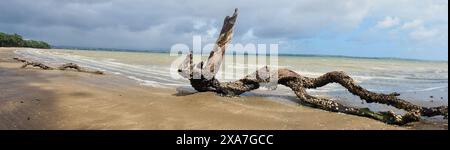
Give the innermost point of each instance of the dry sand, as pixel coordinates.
(36, 99)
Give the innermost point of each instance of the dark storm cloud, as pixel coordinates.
(156, 24)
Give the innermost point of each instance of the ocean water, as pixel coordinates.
(421, 82)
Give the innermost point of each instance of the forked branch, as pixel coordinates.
(202, 78)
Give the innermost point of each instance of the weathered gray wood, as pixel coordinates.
(77, 68)
(62, 67)
(34, 64)
(215, 57)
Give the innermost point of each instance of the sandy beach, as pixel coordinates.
(37, 99)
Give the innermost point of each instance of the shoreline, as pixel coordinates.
(282, 54)
(37, 99)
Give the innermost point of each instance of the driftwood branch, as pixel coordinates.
(77, 68)
(62, 67)
(34, 64)
(201, 77)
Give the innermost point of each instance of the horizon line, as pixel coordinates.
(279, 54)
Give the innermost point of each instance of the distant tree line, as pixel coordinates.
(15, 40)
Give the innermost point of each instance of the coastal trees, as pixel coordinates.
(7, 40)
(202, 79)
(15, 40)
(35, 44)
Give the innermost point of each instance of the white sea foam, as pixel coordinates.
(146, 75)
(428, 89)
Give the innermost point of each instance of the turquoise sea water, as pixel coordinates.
(421, 82)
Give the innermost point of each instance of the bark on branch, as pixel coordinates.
(62, 67)
(201, 77)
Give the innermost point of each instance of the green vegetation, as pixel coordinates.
(15, 40)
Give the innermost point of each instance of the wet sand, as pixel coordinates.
(37, 99)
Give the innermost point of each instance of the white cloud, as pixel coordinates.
(199, 25)
(249, 35)
(424, 34)
(419, 32)
(415, 24)
(388, 22)
(211, 33)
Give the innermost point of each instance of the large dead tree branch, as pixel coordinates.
(202, 79)
(62, 67)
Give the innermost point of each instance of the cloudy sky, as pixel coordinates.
(370, 28)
